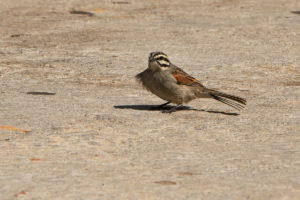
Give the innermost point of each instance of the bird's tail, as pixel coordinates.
(231, 100)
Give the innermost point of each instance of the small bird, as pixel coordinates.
(174, 85)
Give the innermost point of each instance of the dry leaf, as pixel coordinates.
(11, 128)
(165, 182)
(98, 10)
(34, 159)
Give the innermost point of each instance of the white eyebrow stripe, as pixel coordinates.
(163, 62)
(160, 55)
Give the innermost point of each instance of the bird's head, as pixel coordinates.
(158, 61)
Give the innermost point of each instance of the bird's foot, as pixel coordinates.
(173, 109)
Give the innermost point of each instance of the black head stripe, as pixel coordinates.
(164, 65)
(162, 58)
(156, 54)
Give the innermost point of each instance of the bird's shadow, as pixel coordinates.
(155, 108)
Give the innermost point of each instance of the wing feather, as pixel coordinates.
(184, 78)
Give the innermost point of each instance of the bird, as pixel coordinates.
(172, 84)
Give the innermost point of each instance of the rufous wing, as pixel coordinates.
(183, 78)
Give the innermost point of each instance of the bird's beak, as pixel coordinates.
(151, 59)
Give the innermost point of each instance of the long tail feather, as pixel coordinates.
(231, 100)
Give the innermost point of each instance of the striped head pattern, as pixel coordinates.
(159, 57)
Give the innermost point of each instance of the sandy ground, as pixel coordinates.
(96, 137)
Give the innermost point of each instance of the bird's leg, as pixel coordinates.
(163, 105)
(160, 106)
(173, 109)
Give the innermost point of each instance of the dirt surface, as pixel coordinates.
(74, 124)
